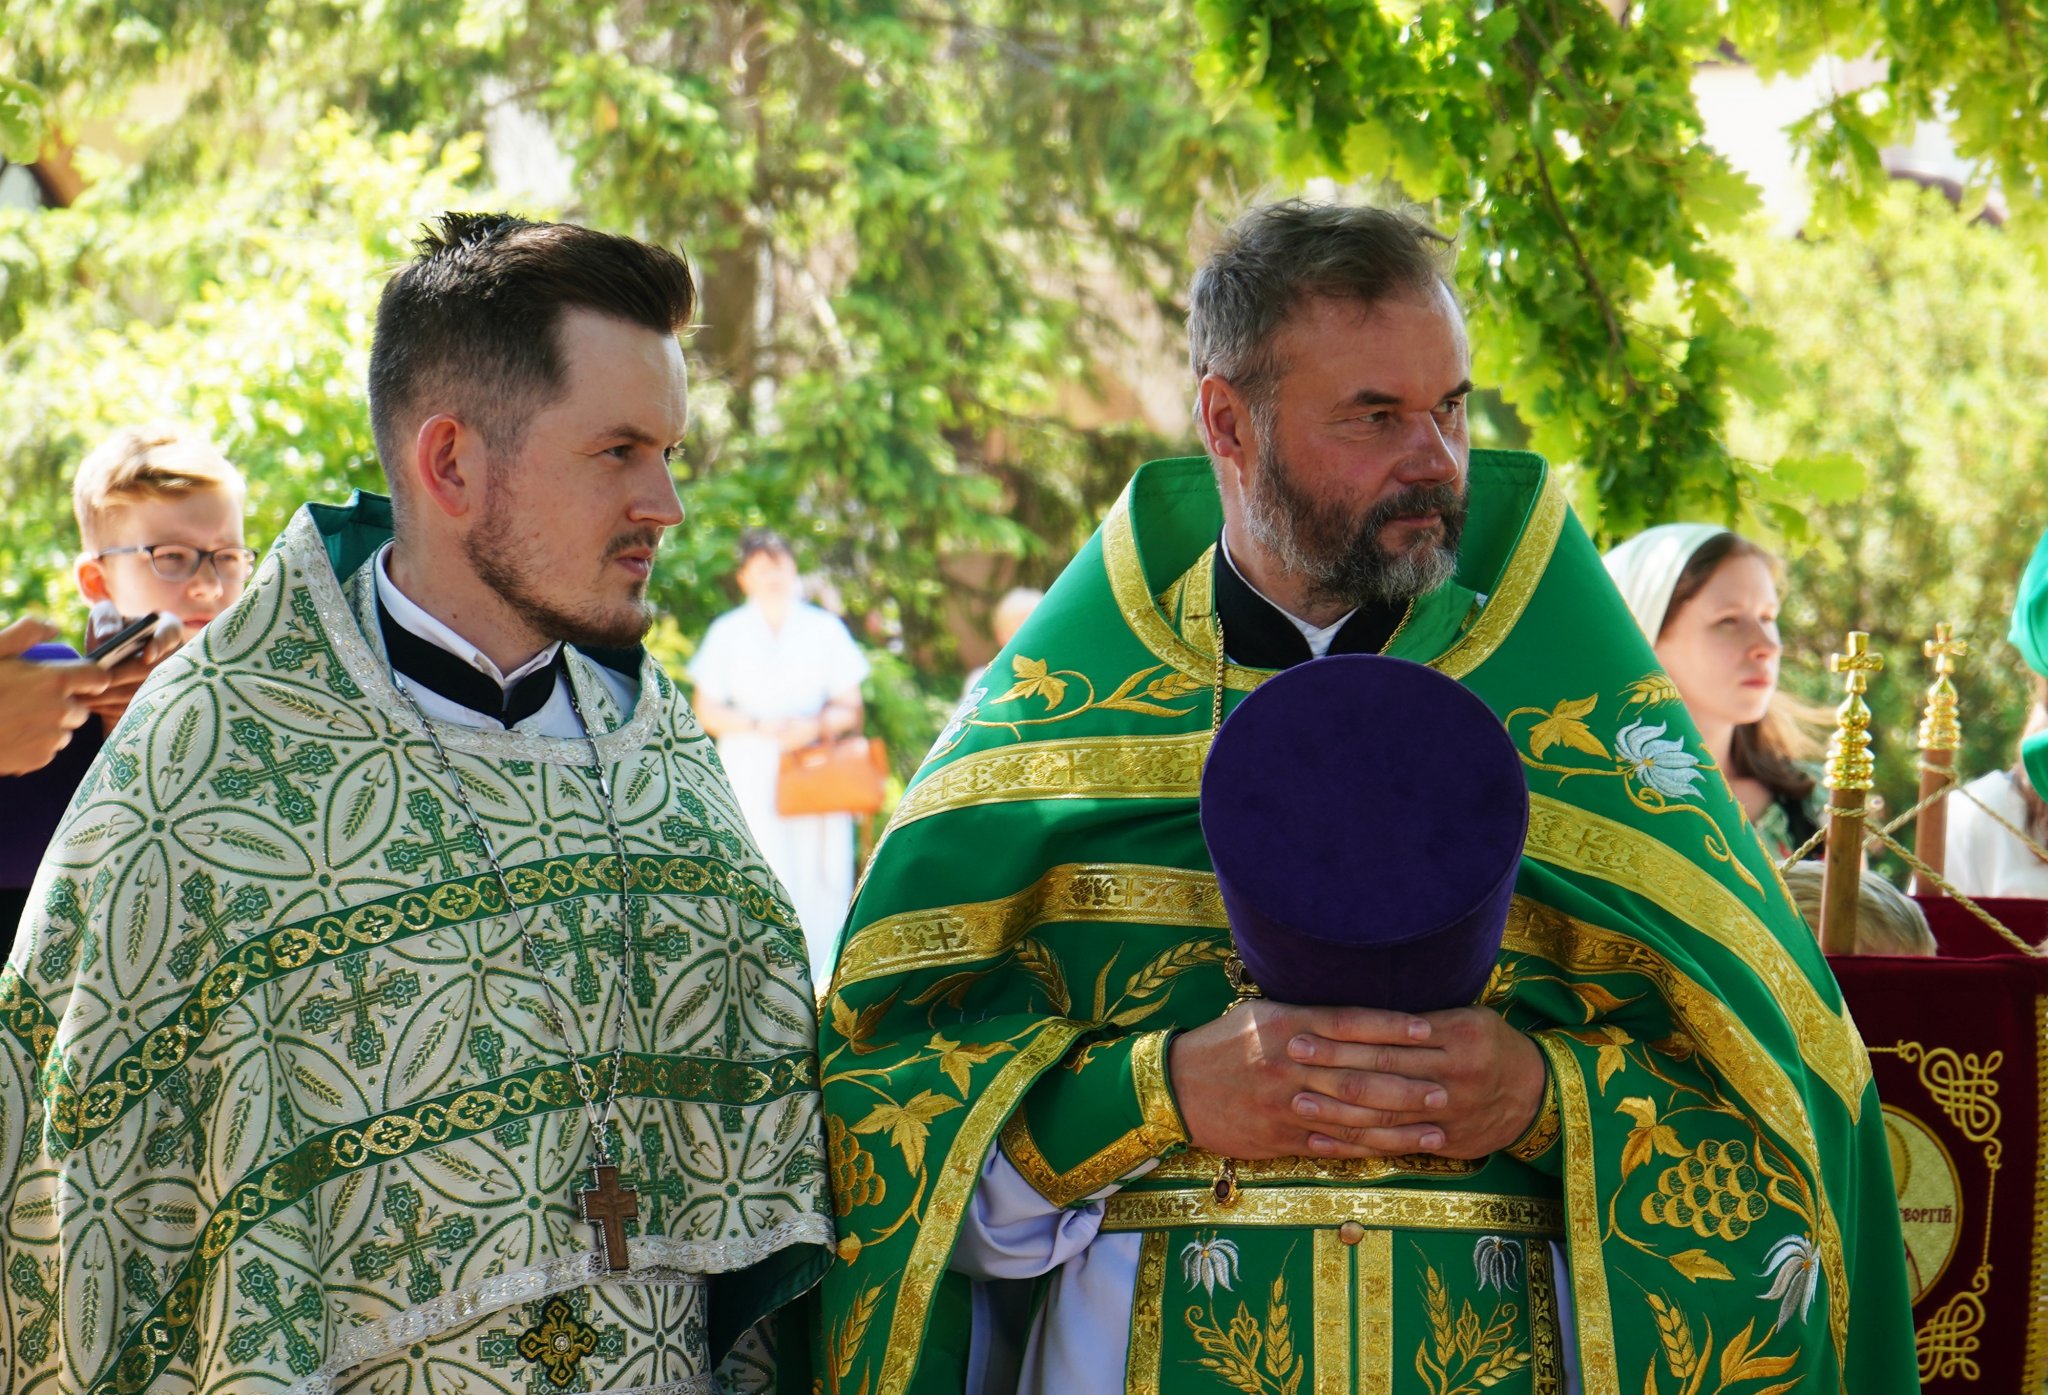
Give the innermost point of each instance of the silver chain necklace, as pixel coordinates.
(604, 1204)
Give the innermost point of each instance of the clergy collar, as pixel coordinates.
(430, 653)
(1259, 634)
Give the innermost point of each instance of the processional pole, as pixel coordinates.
(1848, 777)
(1941, 736)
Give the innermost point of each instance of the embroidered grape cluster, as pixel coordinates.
(1715, 1192)
(855, 1182)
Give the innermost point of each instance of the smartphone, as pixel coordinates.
(125, 643)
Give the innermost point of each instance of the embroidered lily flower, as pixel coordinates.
(1209, 1263)
(1497, 1261)
(1665, 766)
(1796, 1262)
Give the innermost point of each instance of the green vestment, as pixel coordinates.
(1041, 913)
(283, 1102)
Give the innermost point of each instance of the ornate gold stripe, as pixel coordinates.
(1161, 1129)
(1148, 1302)
(1518, 581)
(1375, 1312)
(1085, 767)
(1116, 893)
(1200, 1165)
(951, 1189)
(1596, 846)
(1583, 948)
(1141, 612)
(2036, 1362)
(1330, 1311)
(1599, 1368)
(1373, 1207)
(1546, 1366)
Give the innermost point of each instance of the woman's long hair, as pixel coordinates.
(1769, 750)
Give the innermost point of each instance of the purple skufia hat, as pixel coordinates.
(1365, 817)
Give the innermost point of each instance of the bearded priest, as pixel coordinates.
(1073, 1151)
(403, 1004)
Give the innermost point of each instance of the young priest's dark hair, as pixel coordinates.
(469, 325)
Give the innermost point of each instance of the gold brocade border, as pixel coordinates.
(2036, 1362)
(1104, 892)
(1536, 929)
(1141, 612)
(1372, 1207)
(1599, 1366)
(1510, 597)
(1148, 1316)
(1593, 845)
(951, 1191)
(1329, 1318)
(1200, 1165)
(1161, 1129)
(1375, 1311)
(1546, 1368)
(1518, 580)
(1084, 767)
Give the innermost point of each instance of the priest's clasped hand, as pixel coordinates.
(1270, 1080)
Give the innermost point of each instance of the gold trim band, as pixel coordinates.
(1596, 846)
(1113, 893)
(1375, 1311)
(1160, 1130)
(1375, 1208)
(1086, 767)
(1525, 567)
(1148, 1318)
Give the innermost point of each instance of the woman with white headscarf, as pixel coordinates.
(1708, 601)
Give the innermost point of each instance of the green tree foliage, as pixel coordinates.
(911, 219)
(1564, 136)
(1917, 348)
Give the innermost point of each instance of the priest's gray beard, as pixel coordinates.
(518, 579)
(1339, 558)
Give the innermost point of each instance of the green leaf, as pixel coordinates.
(21, 121)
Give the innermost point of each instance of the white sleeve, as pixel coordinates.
(711, 666)
(1969, 847)
(1011, 1232)
(845, 666)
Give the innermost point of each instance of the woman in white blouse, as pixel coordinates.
(774, 675)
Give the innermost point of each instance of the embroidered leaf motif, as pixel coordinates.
(1563, 728)
(959, 1061)
(858, 1027)
(1651, 690)
(1698, 1264)
(1122, 701)
(1648, 1137)
(1598, 1000)
(1035, 959)
(1034, 681)
(952, 989)
(909, 1123)
(1169, 686)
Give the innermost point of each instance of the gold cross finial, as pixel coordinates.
(1945, 649)
(1858, 664)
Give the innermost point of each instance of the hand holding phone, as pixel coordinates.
(124, 643)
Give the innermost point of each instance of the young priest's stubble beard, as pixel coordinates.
(523, 581)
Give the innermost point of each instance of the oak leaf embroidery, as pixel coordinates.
(909, 1123)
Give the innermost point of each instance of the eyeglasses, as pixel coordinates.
(177, 562)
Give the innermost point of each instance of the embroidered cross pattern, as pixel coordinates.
(581, 943)
(32, 1337)
(415, 1248)
(309, 641)
(201, 898)
(667, 944)
(64, 906)
(607, 1206)
(488, 1049)
(271, 776)
(365, 1039)
(556, 1343)
(246, 1343)
(428, 818)
(658, 1185)
(187, 1128)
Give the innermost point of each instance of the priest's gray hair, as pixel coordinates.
(1280, 254)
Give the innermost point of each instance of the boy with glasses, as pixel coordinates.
(160, 515)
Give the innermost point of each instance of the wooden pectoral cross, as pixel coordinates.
(608, 1206)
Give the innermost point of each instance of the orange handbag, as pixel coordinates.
(840, 776)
